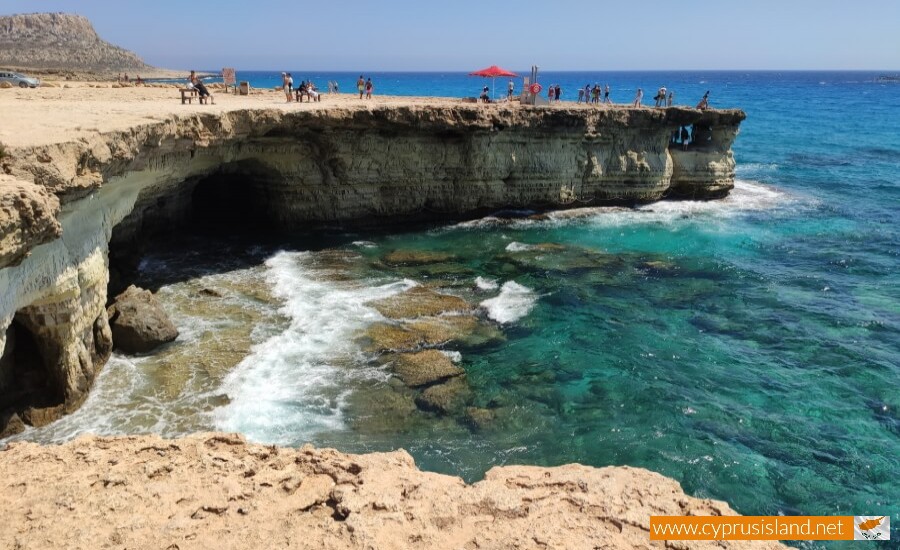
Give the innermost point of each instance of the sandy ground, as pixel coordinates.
(51, 115)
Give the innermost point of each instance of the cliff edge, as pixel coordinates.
(217, 490)
(61, 41)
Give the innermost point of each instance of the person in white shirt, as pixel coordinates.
(638, 97)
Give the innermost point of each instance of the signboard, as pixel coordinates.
(228, 77)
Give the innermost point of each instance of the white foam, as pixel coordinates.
(290, 386)
(514, 302)
(485, 284)
(365, 244)
(518, 247)
(745, 197)
(454, 356)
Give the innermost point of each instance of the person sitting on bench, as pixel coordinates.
(201, 88)
(303, 90)
(311, 91)
(485, 97)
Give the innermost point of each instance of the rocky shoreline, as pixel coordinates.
(76, 208)
(72, 208)
(147, 492)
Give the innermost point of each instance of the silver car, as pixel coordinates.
(20, 80)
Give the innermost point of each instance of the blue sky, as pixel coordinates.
(466, 34)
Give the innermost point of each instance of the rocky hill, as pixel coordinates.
(61, 41)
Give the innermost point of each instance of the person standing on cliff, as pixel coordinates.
(510, 88)
(606, 95)
(558, 92)
(361, 86)
(671, 99)
(580, 96)
(284, 86)
(369, 88)
(704, 103)
(638, 97)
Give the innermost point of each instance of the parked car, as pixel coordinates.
(20, 80)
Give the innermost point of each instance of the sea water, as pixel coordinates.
(747, 347)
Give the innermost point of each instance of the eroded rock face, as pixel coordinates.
(27, 218)
(70, 330)
(209, 488)
(138, 322)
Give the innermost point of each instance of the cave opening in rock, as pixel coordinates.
(25, 384)
(234, 200)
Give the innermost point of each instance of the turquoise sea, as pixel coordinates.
(749, 348)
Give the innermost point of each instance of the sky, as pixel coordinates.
(461, 35)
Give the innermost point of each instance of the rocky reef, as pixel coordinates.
(147, 492)
(64, 205)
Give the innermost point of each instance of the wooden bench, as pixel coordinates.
(188, 94)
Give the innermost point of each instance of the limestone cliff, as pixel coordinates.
(216, 490)
(292, 168)
(60, 41)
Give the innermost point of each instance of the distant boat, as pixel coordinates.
(888, 78)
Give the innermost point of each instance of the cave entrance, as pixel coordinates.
(25, 383)
(234, 200)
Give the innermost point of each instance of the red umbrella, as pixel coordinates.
(493, 72)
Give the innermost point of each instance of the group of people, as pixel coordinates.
(365, 87)
(592, 95)
(125, 78)
(663, 98)
(306, 88)
(554, 93)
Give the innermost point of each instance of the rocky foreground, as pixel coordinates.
(217, 490)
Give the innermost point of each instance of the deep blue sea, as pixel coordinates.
(749, 348)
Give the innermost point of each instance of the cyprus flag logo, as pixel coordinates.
(871, 528)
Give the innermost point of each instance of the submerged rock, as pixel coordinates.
(415, 257)
(392, 337)
(425, 368)
(138, 322)
(419, 302)
(554, 257)
(467, 330)
(445, 398)
(480, 418)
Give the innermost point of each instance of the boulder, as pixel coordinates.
(5, 84)
(138, 322)
(10, 424)
(424, 368)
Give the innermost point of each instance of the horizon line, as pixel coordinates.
(440, 71)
